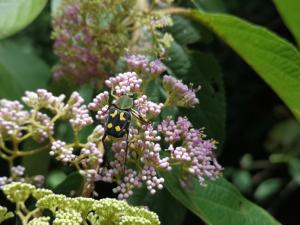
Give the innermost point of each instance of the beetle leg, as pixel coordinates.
(139, 117)
(105, 150)
(126, 150)
(103, 139)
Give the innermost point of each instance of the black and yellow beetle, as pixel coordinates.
(119, 119)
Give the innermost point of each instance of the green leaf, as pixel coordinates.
(20, 70)
(183, 31)
(33, 163)
(273, 58)
(177, 60)
(71, 186)
(285, 138)
(219, 203)
(267, 188)
(168, 209)
(294, 169)
(289, 11)
(34, 166)
(8, 88)
(55, 178)
(17, 14)
(243, 180)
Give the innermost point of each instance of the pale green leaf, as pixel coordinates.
(289, 11)
(219, 203)
(267, 188)
(243, 180)
(20, 71)
(17, 14)
(294, 169)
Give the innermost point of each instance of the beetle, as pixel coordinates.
(119, 119)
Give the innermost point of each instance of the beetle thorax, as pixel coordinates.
(124, 102)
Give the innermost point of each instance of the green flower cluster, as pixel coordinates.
(72, 211)
(4, 215)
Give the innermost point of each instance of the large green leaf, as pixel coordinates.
(289, 11)
(177, 61)
(168, 209)
(183, 31)
(20, 70)
(17, 14)
(273, 58)
(219, 203)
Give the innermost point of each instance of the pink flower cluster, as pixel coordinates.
(88, 47)
(14, 121)
(12, 118)
(147, 108)
(100, 104)
(142, 64)
(138, 166)
(74, 44)
(91, 154)
(62, 152)
(144, 153)
(189, 146)
(179, 93)
(43, 99)
(78, 113)
(123, 83)
(17, 173)
(150, 147)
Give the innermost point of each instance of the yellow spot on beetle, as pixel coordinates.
(122, 116)
(114, 114)
(118, 128)
(109, 125)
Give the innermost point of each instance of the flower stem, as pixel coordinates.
(33, 151)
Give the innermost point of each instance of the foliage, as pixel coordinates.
(14, 61)
(217, 199)
(17, 14)
(143, 128)
(289, 12)
(4, 215)
(268, 54)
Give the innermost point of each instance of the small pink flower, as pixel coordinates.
(179, 93)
